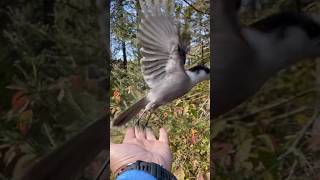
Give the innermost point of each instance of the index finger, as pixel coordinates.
(163, 136)
(149, 134)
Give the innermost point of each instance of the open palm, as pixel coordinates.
(141, 144)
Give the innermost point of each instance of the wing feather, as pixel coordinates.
(152, 70)
(159, 40)
(154, 52)
(156, 75)
(158, 62)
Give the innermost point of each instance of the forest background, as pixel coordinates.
(52, 73)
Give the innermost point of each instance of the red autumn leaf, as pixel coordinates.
(116, 93)
(19, 100)
(116, 96)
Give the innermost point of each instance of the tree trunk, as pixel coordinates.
(48, 12)
(138, 18)
(124, 54)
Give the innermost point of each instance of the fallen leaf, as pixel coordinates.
(19, 100)
(116, 96)
(179, 173)
(165, 115)
(193, 136)
(24, 122)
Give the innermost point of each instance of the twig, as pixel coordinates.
(194, 7)
(47, 132)
(287, 114)
(299, 137)
(70, 5)
(293, 167)
(269, 106)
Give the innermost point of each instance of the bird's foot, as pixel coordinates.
(138, 122)
(140, 117)
(149, 115)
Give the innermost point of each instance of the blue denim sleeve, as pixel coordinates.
(135, 174)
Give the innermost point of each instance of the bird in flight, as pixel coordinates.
(163, 59)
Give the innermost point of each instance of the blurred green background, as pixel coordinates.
(52, 68)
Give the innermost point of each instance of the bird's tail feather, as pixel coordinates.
(130, 112)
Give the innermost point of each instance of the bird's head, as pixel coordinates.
(198, 73)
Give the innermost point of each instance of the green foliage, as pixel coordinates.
(47, 62)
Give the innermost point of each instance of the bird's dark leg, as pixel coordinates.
(151, 110)
(138, 121)
(149, 116)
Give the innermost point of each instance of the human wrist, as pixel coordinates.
(120, 164)
(151, 168)
(117, 165)
(164, 162)
(118, 168)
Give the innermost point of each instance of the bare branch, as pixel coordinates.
(299, 136)
(194, 7)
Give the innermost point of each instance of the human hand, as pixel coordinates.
(141, 144)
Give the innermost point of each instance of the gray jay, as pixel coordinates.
(162, 64)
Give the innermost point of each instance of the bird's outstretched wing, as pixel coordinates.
(161, 48)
